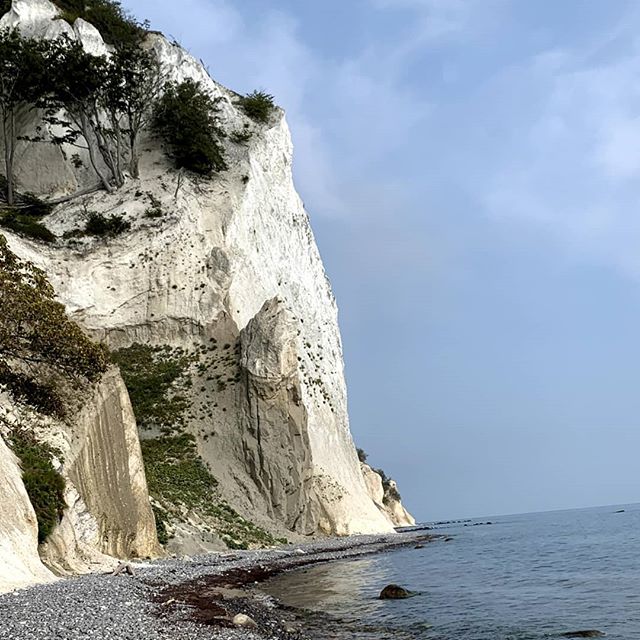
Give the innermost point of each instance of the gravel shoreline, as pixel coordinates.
(179, 599)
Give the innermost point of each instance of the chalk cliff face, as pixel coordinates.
(232, 263)
(108, 514)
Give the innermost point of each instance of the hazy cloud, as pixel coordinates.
(575, 159)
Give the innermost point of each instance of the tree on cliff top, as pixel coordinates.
(186, 117)
(23, 82)
(34, 327)
(105, 102)
(132, 86)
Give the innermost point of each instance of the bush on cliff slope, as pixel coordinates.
(38, 339)
(34, 327)
(100, 225)
(44, 485)
(186, 117)
(258, 105)
(23, 216)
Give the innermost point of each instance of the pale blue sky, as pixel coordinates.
(472, 171)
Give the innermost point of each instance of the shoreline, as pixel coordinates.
(187, 599)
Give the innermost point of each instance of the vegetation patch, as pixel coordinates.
(22, 216)
(38, 330)
(154, 377)
(100, 225)
(25, 225)
(42, 396)
(258, 106)
(175, 472)
(179, 479)
(44, 485)
(155, 209)
(241, 136)
(160, 516)
(186, 118)
(390, 490)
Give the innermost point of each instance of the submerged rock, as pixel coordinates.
(395, 592)
(587, 633)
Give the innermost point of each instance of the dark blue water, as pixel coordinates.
(524, 577)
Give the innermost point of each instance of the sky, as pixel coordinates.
(472, 173)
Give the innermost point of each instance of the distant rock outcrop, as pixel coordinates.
(386, 497)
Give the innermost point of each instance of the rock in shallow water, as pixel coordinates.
(395, 592)
(587, 633)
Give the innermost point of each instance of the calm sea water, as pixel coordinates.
(524, 577)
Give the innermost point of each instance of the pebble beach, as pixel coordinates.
(194, 598)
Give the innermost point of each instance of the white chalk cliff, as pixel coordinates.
(232, 262)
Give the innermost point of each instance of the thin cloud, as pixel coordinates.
(575, 159)
(371, 115)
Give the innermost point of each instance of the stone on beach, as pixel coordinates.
(242, 620)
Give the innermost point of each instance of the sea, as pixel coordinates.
(521, 577)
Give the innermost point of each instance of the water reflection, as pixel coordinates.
(349, 591)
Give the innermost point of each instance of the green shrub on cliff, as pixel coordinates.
(186, 118)
(175, 471)
(25, 225)
(100, 225)
(41, 395)
(44, 485)
(37, 336)
(258, 105)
